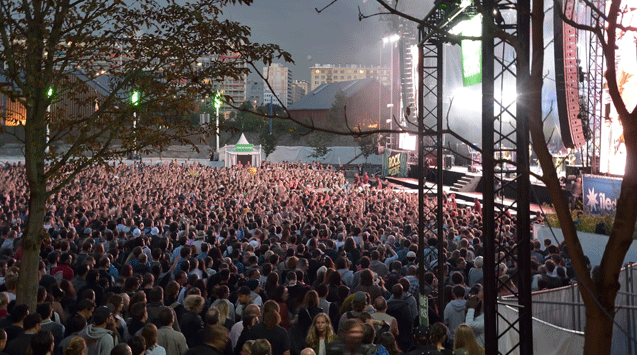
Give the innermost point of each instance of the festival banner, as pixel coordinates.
(600, 194)
(394, 163)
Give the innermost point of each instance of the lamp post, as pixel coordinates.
(49, 94)
(217, 103)
(134, 99)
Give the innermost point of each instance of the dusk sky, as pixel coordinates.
(335, 36)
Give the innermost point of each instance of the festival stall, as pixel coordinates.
(243, 152)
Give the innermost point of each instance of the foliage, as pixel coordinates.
(586, 222)
(93, 54)
(247, 121)
(336, 115)
(319, 141)
(268, 141)
(368, 145)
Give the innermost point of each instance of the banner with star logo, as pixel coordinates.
(600, 194)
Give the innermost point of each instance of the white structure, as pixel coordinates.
(243, 152)
(280, 79)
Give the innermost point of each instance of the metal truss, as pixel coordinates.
(594, 88)
(429, 145)
(505, 137)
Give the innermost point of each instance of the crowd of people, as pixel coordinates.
(286, 259)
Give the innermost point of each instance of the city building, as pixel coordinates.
(299, 89)
(280, 80)
(255, 92)
(235, 88)
(329, 73)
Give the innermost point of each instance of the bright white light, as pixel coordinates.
(391, 38)
(407, 141)
(470, 27)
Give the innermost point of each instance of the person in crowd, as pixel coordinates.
(465, 342)
(320, 334)
(475, 315)
(172, 341)
(98, 336)
(214, 342)
(270, 330)
(75, 346)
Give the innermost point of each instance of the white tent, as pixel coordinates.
(243, 152)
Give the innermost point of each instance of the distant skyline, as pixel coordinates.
(335, 36)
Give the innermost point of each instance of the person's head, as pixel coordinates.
(76, 323)
(465, 338)
(380, 304)
(397, 291)
(194, 303)
(137, 345)
(438, 333)
(261, 347)
(213, 315)
(166, 318)
(139, 312)
(42, 342)
(271, 316)
(458, 292)
(478, 262)
(121, 349)
(244, 296)
(217, 337)
(45, 310)
(76, 346)
(101, 316)
(149, 333)
(369, 333)
(32, 323)
(18, 312)
(311, 299)
(388, 341)
(86, 307)
(352, 332)
(366, 277)
(308, 351)
(359, 301)
(246, 349)
(3, 339)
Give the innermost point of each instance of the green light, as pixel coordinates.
(49, 92)
(135, 97)
(217, 100)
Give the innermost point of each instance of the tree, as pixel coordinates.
(368, 145)
(337, 113)
(319, 141)
(268, 141)
(83, 59)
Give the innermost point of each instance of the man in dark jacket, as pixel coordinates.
(214, 342)
(399, 309)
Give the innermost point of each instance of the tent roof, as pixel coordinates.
(242, 140)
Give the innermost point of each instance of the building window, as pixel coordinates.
(349, 77)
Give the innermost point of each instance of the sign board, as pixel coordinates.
(394, 163)
(600, 194)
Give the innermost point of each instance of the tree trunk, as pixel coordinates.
(598, 332)
(35, 140)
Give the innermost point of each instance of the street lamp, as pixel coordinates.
(49, 95)
(135, 98)
(216, 102)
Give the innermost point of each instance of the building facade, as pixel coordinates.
(255, 92)
(329, 73)
(299, 89)
(280, 80)
(235, 88)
